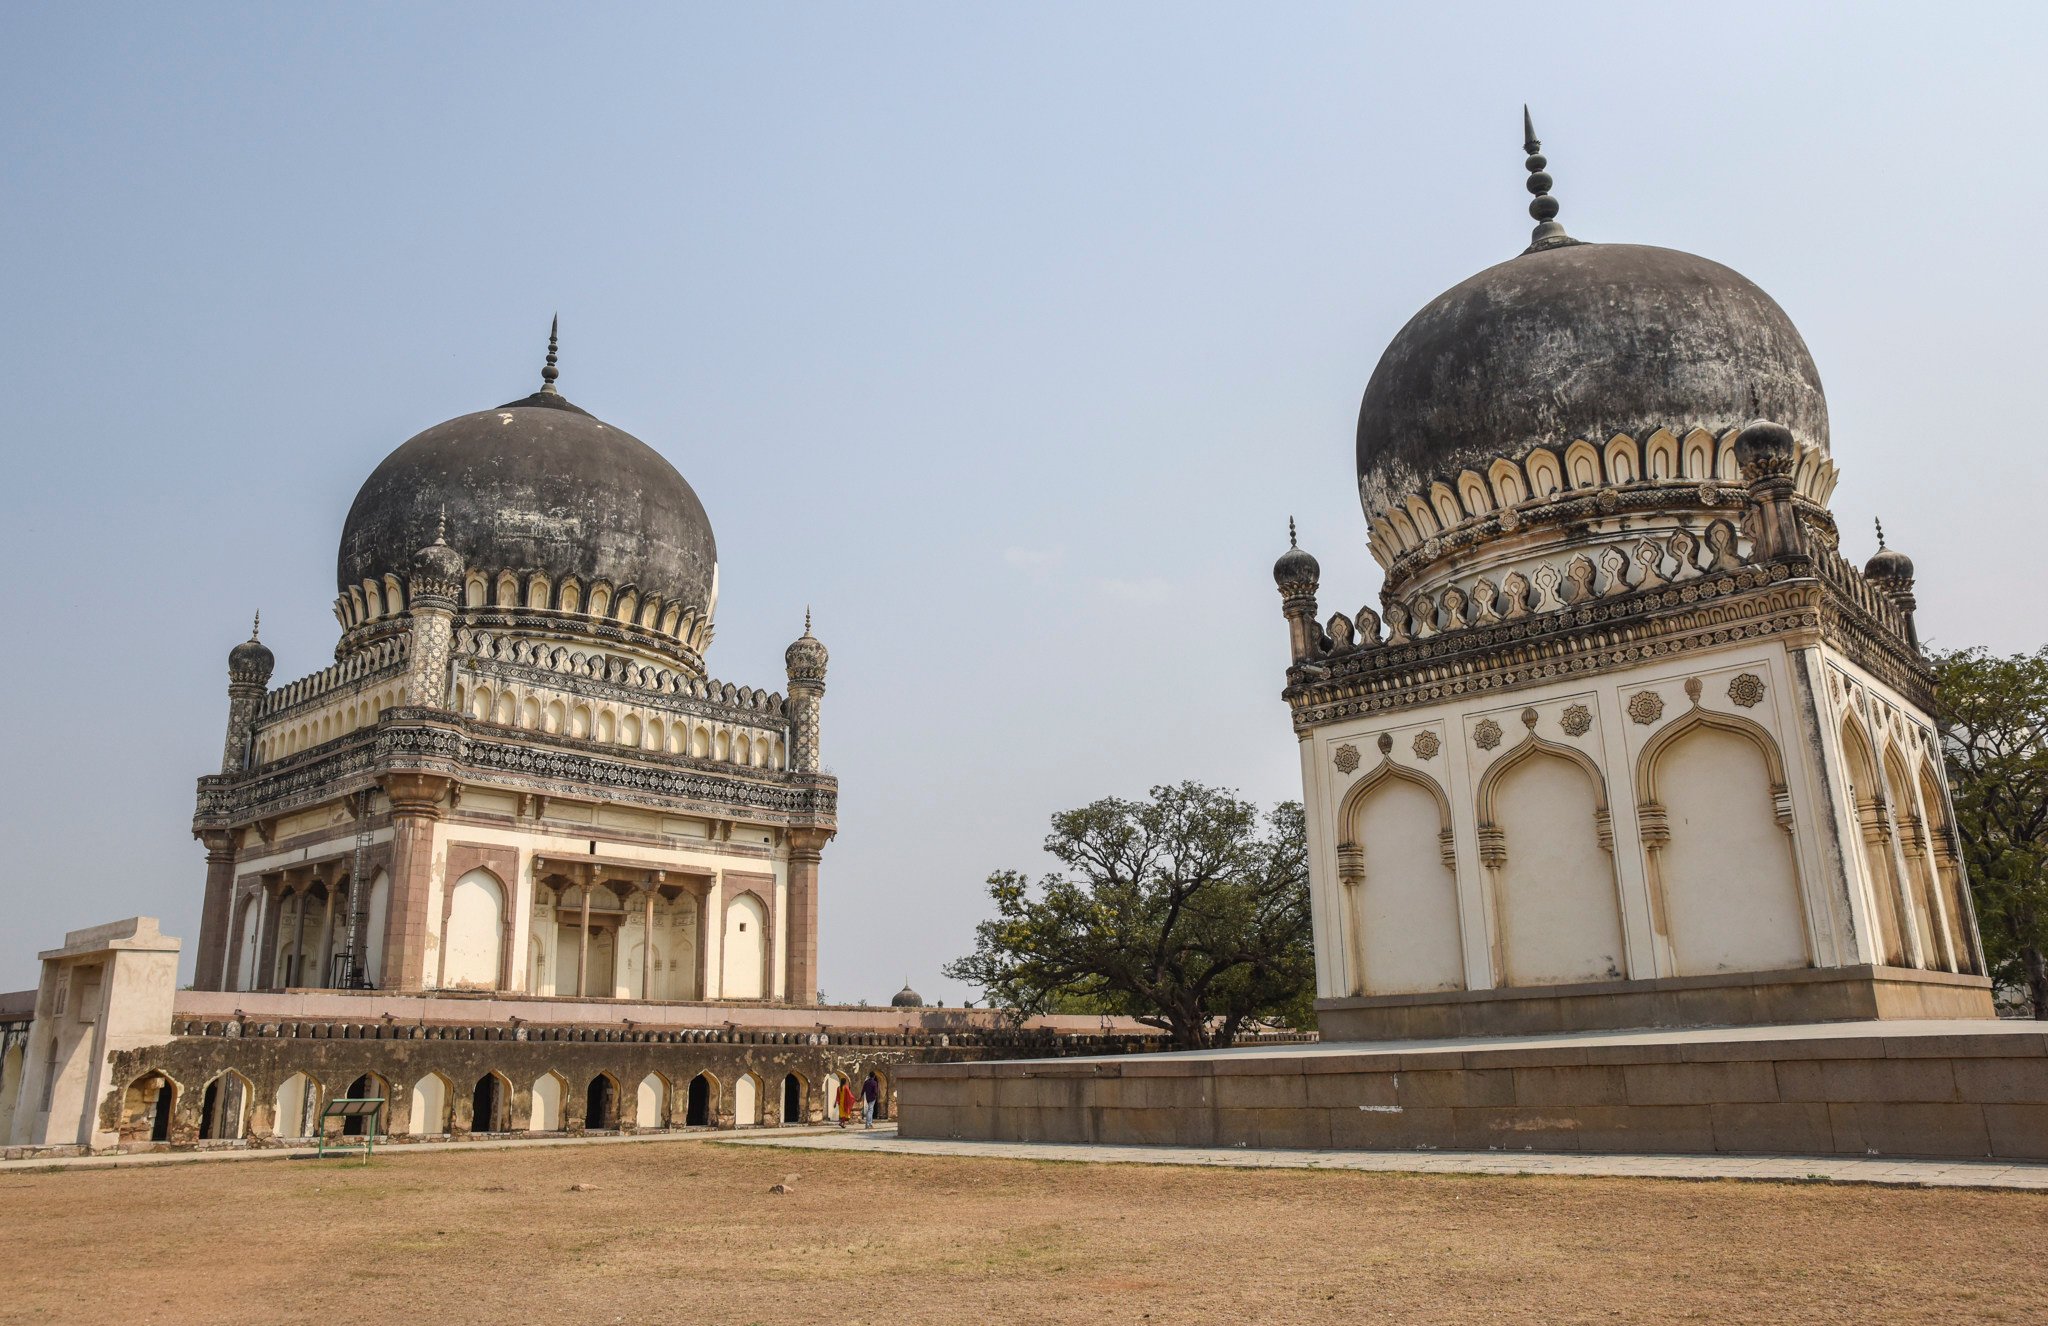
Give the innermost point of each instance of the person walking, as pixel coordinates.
(870, 1099)
(843, 1103)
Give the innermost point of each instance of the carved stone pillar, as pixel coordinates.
(217, 912)
(800, 927)
(415, 808)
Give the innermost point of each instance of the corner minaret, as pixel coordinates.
(1297, 575)
(434, 591)
(249, 667)
(806, 659)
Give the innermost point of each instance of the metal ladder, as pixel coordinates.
(348, 973)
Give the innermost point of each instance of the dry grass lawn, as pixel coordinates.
(688, 1232)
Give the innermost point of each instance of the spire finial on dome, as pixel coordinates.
(1290, 533)
(256, 626)
(1548, 233)
(1880, 533)
(441, 526)
(549, 372)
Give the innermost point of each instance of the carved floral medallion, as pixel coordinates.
(1646, 707)
(1486, 734)
(1747, 690)
(1576, 720)
(1346, 758)
(1427, 745)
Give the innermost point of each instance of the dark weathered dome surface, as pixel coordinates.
(1581, 340)
(537, 485)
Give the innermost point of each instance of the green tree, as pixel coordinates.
(1993, 714)
(1188, 912)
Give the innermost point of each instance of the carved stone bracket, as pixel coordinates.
(1653, 824)
(1493, 847)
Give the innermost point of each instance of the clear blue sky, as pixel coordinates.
(1007, 338)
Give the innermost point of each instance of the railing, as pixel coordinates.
(384, 657)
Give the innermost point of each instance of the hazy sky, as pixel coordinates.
(1007, 338)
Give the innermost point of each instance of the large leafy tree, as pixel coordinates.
(1188, 912)
(1993, 714)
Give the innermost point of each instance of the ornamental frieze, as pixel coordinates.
(434, 740)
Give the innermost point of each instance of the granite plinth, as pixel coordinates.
(1960, 1088)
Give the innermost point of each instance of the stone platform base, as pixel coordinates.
(1839, 994)
(1927, 1088)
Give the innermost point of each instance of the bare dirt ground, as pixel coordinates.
(688, 1232)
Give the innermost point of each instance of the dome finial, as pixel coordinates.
(807, 619)
(256, 626)
(1548, 233)
(1290, 533)
(1880, 533)
(441, 526)
(549, 373)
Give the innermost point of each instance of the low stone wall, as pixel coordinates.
(401, 1057)
(1875, 1089)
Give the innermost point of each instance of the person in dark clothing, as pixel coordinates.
(870, 1100)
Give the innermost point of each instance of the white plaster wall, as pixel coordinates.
(475, 933)
(1728, 880)
(746, 936)
(1610, 736)
(1407, 902)
(1559, 909)
(746, 1101)
(547, 1104)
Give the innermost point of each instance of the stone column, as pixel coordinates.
(647, 946)
(583, 948)
(263, 971)
(217, 913)
(415, 808)
(800, 926)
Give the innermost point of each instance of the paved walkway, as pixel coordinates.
(1829, 1169)
(384, 1148)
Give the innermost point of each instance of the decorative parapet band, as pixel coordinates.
(385, 658)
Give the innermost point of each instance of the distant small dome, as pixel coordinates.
(1887, 563)
(807, 656)
(252, 659)
(907, 998)
(1295, 566)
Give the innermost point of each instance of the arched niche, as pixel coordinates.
(1909, 830)
(745, 956)
(1712, 791)
(1874, 841)
(1546, 842)
(1395, 862)
(1948, 873)
(473, 939)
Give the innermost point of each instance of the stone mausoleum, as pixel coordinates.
(513, 863)
(517, 775)
(1627, 746)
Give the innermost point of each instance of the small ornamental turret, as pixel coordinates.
(1891, 572)
(1768, 453)
(1297, 574)
(806, 659)
(249, 667)
(432, 593)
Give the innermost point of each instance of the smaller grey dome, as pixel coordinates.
(1887, 563)
(907, 998)
(251, 660)
(1295, 566)
(807, 656)
(1765, 443)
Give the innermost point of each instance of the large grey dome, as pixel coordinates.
(536, 485)
(1579, 341)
